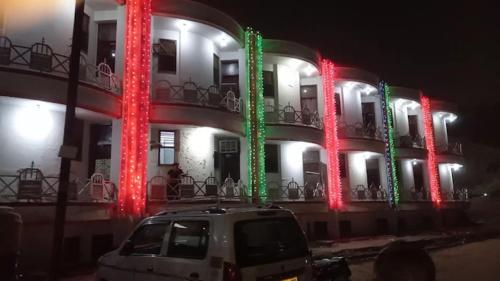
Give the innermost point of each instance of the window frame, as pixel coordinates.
(166, 235)
(171, 237)
(158, 70)
(160, 147)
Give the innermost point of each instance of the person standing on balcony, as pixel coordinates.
(174, 179)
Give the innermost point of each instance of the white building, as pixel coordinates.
(197, 120)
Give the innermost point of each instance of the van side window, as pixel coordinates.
(148, 239)
(188, 239)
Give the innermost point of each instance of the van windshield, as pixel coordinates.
(267, 241)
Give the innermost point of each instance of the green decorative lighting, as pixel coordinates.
(392, 178)
(255, 125)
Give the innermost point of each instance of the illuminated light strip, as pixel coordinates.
(432, 167)
(390, 150)
(331, 139)
(255, 124)
(135, 109)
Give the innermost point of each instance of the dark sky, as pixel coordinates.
(449, 49)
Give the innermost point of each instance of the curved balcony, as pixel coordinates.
(459, 194)
(362, 193)
(358, 137)
(355, 74)
(201, 13)
(292, 50)
(23, 67)
(194, 105)
(411, 146)
(290, 124)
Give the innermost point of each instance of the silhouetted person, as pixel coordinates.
(404, 261)
(174, 179)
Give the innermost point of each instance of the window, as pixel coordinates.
(167, 148)
(342, 165)
(106, 43)
(230, 76)
(268, 77)
(267, 241)
(167, 56)
(338, 105)
(271, 156)
(216, 70)
(148, 239)
(85, 33)
(189, 239)
(309, 98)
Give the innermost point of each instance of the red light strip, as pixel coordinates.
(331, 140)
(135, 108)
(431, 152)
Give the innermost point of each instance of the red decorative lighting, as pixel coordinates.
(135, 108)
(331, 139)
(431, 151)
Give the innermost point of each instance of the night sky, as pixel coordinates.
(450, 50)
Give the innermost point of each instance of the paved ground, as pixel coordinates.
(474, 261)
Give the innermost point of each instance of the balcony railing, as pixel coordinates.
(408, 141)
(292, 191)
(288, 115)
(191, 93)
(362, 193)
(31, 185)
(459, 194)
(40, 57)
(359, 130)
(416, 195)
(451, 148)
(187, 188)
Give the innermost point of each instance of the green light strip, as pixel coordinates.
(392, 149)
(255, 125)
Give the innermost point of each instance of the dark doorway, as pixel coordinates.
(369, 123)
(345, 229)
(418, 176)
(309, 98)
(106, 43)
(101, 244)
(100, 150)
(413, 126)
(320, 230)
(230, 76)
(229, 158)
(382, 226)
(312, 172)
(372, 173)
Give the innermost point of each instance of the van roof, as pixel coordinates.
(220, 211)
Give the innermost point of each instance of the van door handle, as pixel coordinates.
(194, 275)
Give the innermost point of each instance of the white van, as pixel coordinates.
(234, 244)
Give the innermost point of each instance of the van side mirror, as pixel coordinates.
(127, 248)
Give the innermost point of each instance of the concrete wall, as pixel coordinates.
(357, 169)
(288, 87)
(351, 105)
(33, 131)
(401, 113)
(446, 178)
(317, 81)
(440, 132)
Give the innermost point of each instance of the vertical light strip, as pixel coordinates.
(431, 151)
(331, 139)
(135, 108)
(255, 125)
(390, 150)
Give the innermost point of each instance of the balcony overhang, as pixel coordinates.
(26, 84)
(289, 132)
(292, 50)
(443, 106)
(198, 12)
(405, 93)
(187, 114)
(450, 158)
(371, 145)
(411, 153)
(355, 75)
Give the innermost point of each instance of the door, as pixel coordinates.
(186, 252)
(373, 177)
(418, 176)
(230, 75)
(309, 98)
(229, 158)
(106, 43)
(369, 125)
(413, 126)
(136, 259)
(312, 173)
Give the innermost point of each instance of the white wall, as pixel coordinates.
(401, 113)
(351, 105)
(357, 169)
(377, 106)
(446, 178)
(288, 87)
(319, 85)
(31, 133)
(406, 182)
(440, 132)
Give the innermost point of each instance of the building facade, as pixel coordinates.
(198, 115)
